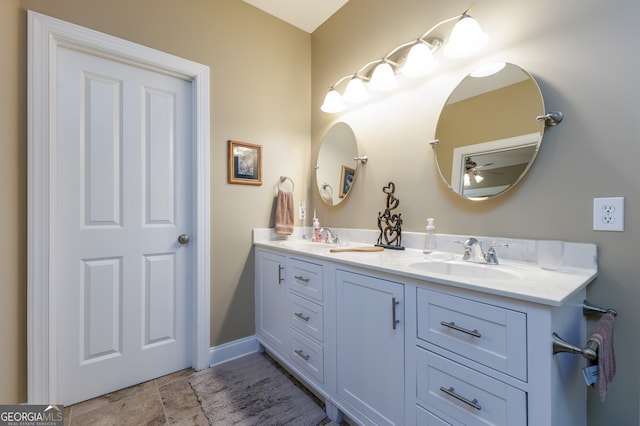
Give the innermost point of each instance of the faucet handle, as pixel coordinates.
(494, 245)
(491, 257)
(468, 245)
(468, 242)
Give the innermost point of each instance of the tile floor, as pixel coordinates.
(167, 400)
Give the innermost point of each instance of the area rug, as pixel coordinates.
(253, 390)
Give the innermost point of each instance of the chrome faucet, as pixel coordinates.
(330, 236)
(473, 252)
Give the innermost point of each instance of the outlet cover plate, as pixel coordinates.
(608, 214)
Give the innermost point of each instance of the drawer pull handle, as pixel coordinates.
(301, 278)
(301, 354)
(453, 326)
(280, 277)
(451, 392)
(394, 321)
(302, 317)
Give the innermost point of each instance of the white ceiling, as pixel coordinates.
(304, 14)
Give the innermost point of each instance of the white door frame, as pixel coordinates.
(46, 35)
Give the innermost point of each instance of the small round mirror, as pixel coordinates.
(336, 166)
(488, 133)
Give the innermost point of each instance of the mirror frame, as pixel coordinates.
(514, 145)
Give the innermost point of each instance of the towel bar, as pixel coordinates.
(589, 309)
(590, 351)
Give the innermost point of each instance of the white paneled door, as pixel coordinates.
(124, 199)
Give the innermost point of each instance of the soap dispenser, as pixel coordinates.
(430, 237)
(316, 229)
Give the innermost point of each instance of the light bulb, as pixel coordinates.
(383, 78)
(467, 38)
(420, 61)
(355, 91)
(333, 102)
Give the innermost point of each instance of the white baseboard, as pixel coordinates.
(232, 350)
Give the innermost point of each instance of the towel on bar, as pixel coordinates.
(284, 213)
(603, 335)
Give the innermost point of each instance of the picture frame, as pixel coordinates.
(347, 175)
(245, 163)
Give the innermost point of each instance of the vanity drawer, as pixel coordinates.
(307, 355)
(465, 395)
(426, 418)
(306, 278)
(306, 317)
(488, 334)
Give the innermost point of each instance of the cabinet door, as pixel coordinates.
(271, 299)
(370, 346)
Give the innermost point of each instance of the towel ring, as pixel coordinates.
(327, 189)
(283, 179)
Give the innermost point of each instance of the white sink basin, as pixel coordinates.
(466, 270)
(305, 245)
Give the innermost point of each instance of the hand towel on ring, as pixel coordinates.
(284, 213)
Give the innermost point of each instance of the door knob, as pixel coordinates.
(183, 239)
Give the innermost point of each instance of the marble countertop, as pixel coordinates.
(525, 279)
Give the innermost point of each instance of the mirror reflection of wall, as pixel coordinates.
(336, 167)
(488, 132)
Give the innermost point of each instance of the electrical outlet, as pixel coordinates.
(608, 214)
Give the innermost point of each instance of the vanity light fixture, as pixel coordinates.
(466, 38)
(333, 102)
(356, 91)
(412, 59)
(420, 60)
(383, 77)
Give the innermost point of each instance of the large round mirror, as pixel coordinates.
(336, 166)
(488, 133)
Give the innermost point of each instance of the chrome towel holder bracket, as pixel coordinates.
(283, 179)
(590, 351)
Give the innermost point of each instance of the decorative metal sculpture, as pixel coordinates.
(390, 225)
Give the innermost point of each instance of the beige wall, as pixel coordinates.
(260, 93)
(585, 58)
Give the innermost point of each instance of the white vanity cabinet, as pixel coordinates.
(370, 346)
(306, 316)
(386, 346)
(479, 359)
(490, 335)
(271, 300)
(290, 319)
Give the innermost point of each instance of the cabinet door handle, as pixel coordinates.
(394, 321)
(302, 317)
(301, 354)
(453, 326)
(280, 277)
(451, 392)
(301, 278)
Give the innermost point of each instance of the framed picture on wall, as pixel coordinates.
(346, 180)
(245, 163)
